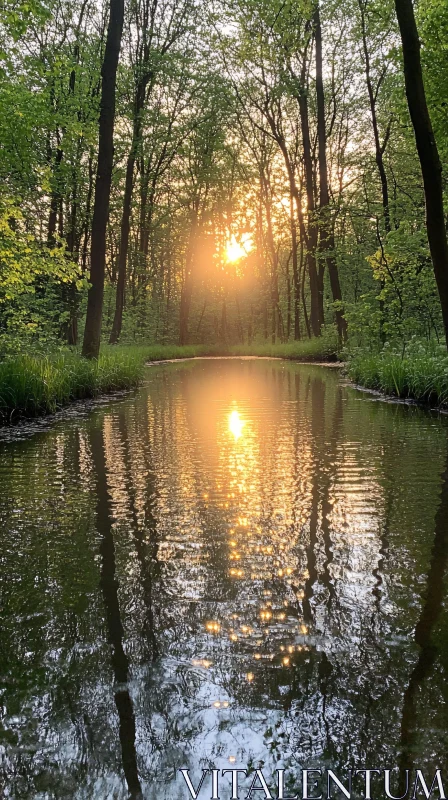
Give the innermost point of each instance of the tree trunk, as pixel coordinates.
(92, 332)
(294, 195)
(275, 300)
(185, 303)
(86, 221)
(223, 336)
(123, 251)
(295, 275)
(379, 149)
(55, 198)
(316, 311)
(139, 103)
(427, 151)
(326, 229)
(288, 298)
(187, 288)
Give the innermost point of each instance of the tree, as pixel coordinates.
(326, 226)
(280, 126)
(157, 37)
(92, 332)
(427, 151)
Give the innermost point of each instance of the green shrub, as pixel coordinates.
(419, 376)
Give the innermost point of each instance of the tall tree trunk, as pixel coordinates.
(379, 148)
(294, 195)
(55, 198)
(187, 288)
(316, 302)
(139, 103)
(74, 236)
(295, 275)
(288, 297)
(427, 151)
(275, 299)
(86, 220)
(185, 303)
(223, 333)
(92, 332)
(73, 296)
(326, 228)
(123, 251)
(302, 287)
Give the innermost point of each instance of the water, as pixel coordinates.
(242, 564)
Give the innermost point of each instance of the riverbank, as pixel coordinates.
(421, 377)
(32, 386)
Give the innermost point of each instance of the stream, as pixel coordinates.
(243, 564)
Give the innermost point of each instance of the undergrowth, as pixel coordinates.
(418, 376)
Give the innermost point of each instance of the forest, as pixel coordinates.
(242, 564)
(265, 176)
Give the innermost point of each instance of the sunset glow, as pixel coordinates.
(236, 249)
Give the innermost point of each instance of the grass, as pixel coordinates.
(422, 377)
(322, 349)
(31, 386)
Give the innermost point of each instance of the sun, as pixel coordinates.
(238, 249)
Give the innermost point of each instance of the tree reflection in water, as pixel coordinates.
(243, 563)
(435, 593)
(109, 589)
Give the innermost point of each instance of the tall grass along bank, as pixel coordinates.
(31, 386)
(420, 377)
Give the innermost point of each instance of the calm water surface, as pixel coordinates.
(243, 564)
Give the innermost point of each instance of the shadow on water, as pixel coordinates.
(317, 400)
(109, 589)
(435, 591)
(145, 536)
(325, 666)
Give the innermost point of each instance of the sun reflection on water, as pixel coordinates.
(236, 424)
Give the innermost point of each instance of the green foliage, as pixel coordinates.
(422, 375)
(209, 168)
(404, 270)
(403, 301)
(30, 279)
(18, 14)
(433, 30)
(322, 348)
